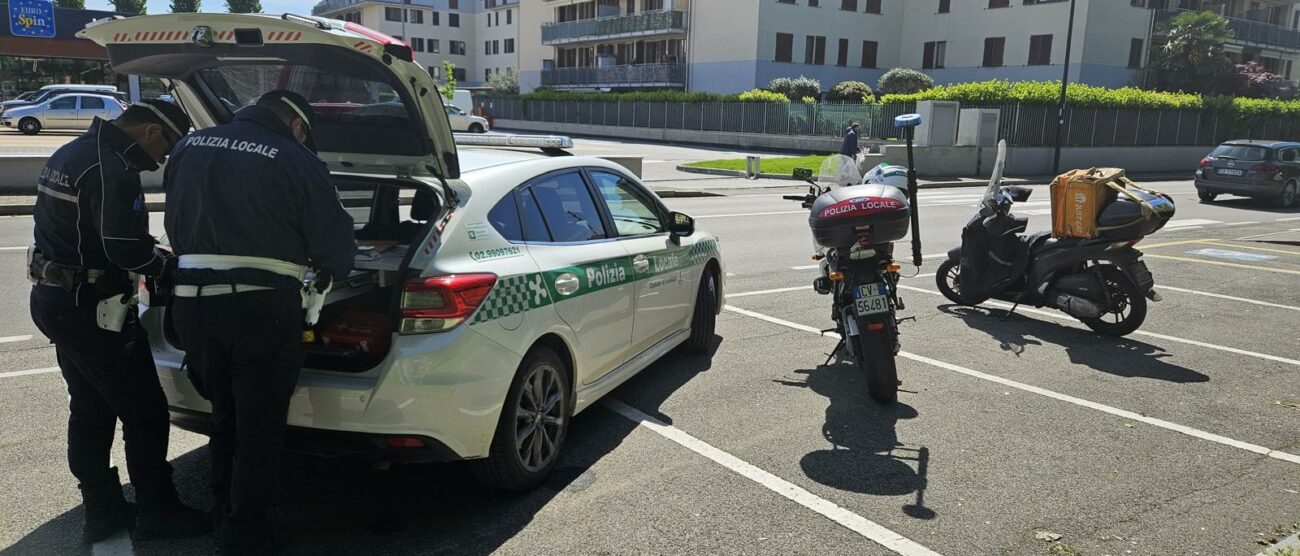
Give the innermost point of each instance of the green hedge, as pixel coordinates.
(647, 96)
(1046, 93)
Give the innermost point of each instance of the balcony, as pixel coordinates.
(624, 26)
(1250, 33)
(639, 75)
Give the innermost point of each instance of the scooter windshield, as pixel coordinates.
(995, 181)
(838, 171)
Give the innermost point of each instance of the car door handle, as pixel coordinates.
(640, 263)
(567, 284)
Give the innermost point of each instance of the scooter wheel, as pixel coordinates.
(948, 279)
(1127, 306)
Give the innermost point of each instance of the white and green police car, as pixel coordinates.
(497, 293)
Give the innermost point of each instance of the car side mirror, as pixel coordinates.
(681, 225)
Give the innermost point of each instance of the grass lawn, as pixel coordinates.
(783, 165)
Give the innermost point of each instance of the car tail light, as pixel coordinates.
(1268, 169)
(400, 442)
(1204, 162)
(441, 303)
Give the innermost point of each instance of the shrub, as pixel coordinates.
(796, 88)
(760, 95)
(808, 100)
(1044, 93)
(903, 81)
(505, 83)
(851, 91)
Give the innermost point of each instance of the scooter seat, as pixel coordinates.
(1044, 242)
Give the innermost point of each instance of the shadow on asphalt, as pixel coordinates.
(1260, 204)
(1117, 356)
(866, 456)
(348, 507)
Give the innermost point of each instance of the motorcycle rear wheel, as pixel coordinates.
(1127, 308)
(875, 358)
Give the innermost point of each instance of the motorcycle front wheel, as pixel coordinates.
(1127, 308)
(875, 358)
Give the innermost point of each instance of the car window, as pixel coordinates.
(65, 103)
(1240, 152)
(567, 208)
(633, 213)
(530, 217)
(1287, 155)
(505, 218)
(92, 103)
(453, 110)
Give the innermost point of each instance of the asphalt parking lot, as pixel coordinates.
(1020, 435)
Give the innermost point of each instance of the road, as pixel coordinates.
(1181, 439)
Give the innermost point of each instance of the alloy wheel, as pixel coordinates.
(539, 418)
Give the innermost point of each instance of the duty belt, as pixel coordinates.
(44, 272)
(215, 289)
(233, 262)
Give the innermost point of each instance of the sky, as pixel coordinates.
(268, 6)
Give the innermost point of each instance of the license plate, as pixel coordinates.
(870, 299)
(1230, 172)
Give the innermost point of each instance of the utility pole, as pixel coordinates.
(1065, 80)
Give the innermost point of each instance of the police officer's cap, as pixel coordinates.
(168, 115)
(280, 99)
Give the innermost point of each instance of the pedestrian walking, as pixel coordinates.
(849, 146)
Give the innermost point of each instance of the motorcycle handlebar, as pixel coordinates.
(795, 197)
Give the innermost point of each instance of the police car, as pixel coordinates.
(498, 291)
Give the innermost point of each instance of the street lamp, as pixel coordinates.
(1065, 80)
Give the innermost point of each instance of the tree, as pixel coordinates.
(135, 7)
(1255, 81)
(903, 81)
(70, 4)
(851, 91)
(505, 83)
(244, 6)
(797, 88)
(449, 80)
(185, 6)
(1192, 58)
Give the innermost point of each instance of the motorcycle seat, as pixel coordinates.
(1044, 242)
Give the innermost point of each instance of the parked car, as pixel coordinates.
(50, 91)
(460, 121)
(1266, 169)
(513, 292)
(68, 112)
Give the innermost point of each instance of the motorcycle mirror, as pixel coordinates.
(802, 174)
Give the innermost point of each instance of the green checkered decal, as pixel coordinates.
(522, 292)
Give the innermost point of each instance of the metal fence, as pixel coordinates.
(1020, 125)
(638, 24)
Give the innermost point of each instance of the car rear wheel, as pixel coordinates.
(1288, 196)
(1206, 196)
(29, 126)
(533, 425)
(705, 318)
(476, 128)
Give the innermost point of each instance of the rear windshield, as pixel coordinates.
(353, 114)
(1240, 152)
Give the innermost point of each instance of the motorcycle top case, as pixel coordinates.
(1138, 213)
(841, 215)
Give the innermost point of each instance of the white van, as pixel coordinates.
(463, 100)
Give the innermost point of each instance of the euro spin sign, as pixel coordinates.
(31, 18)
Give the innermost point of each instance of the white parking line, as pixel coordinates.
(765, 292)
(12, 374)
(869, 529)
(751, 214)
(1062, 316)
(1288, 219)
(1238, 223)
(116, 545)
(11, 339)
(805, 267)
(1130, 415)
(923, 257)
(21, 248)
(1188, 223)
(1229, 297)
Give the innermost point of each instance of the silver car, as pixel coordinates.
(67, 111)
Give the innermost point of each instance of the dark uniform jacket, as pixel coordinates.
(90, 209)
(849, 147)
(248, 188)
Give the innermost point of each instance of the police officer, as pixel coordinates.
(250, 208)
(91, 233)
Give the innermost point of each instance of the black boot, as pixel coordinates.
(107, 512)
(169, 518)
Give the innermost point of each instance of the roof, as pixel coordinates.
(479, 158)
(1261, 142)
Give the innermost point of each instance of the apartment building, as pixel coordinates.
(477, 35)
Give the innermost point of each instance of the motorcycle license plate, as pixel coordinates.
(870, 299)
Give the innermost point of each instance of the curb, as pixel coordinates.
(684, 194)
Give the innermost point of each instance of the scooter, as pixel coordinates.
(1103, 282)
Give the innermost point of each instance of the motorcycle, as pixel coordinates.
(854, 227)
(1103, 281)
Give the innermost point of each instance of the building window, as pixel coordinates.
(784, 1)
(814, 3)
(433, 71)
(392, 14)
(1040, 50)
(1138, 3)
(869, 49)
(842, 56)
(510, 46)
(434, 47)
(849, 5)
(784, 47)
(487, 47)
(417, 44)
(652, 5)
(510, 17)
(416, 16)
(873, 6)
(933, 54)
(459, 74)
(1135, 53)
(945, 6)
(457, 48)
(999, 3)
(814, 50)
(497, 18)
(489, 19)
(453, 4)
(993, 49)
(487, 74)
(496, 47)
(453, 20)
(1287, 75)
(433, 18)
